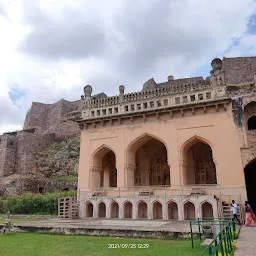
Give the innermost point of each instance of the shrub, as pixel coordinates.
(29, 203)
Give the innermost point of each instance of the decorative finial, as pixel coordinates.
(121, 90)
(216, 64)
(170, 78)
(87, 91)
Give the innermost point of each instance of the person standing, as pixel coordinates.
(234, 211)
(249, 215)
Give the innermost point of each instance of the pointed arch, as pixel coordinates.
(114, 208)
(103, 169)
(197, 161)
(189, 210)
(139, 141)
(206, 209)
(101, 209)
(100, 152)
(172, 210)
(127, 209)
(193, 140)
(157, 210)
(88, 209)
(147, 161)
(142, 210)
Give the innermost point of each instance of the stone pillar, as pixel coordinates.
(106, 177)
(164, 210)
(197, 209)
(108, 209)
(134, 210)
(129, 175)
(95, 177)
(181, 214)
(150, 210)
(95, 210)
(120, 174)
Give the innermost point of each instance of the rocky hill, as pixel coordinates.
(44, 155)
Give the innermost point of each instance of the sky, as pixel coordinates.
(51, 49)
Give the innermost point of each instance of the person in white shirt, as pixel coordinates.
(234, 211)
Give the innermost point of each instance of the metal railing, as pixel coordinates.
(222, 244)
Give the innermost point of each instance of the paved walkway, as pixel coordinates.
(246, 244)
(147, 225)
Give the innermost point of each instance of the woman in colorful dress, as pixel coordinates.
(249, 215)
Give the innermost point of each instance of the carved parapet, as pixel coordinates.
(104, 102)
(156, 100)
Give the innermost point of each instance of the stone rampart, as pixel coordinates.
(28, 144)
(47, 115)
(8, 147)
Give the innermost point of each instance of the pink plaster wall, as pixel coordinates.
(217, 129)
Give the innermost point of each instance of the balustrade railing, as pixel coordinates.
(169, 190)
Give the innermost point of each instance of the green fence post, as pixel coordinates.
(216, 246)
(191, 235)
(221, 245)
(210, 251)
(199, 229)
(234, 225)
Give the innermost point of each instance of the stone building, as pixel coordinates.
(175, 150)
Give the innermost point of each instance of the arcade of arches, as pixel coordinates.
(149, 158)
(157, 209)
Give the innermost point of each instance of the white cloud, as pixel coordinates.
(52, 48)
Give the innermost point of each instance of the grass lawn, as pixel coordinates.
(35, 244)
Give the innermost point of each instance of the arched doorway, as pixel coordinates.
(142, 210)
(104, 173)
(148, 155)
(189, 211)
(198, 166)
(172, 211)
(252, 123)
(250, 178)
(250, 116)
(157, 210)
(102, 210)
(114, 210)
(207, 211)
(89, 210)
(127, 210)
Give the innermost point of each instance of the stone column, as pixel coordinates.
(129, 175)
(181, 213)
(134, 209)
(164, 210)
(108, 209)
(95, 210)
(106, 177)
(95, 177)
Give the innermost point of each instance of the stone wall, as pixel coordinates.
(28, 144)
(8, 147)
(47, 115)
(239, 70)
(64, 130)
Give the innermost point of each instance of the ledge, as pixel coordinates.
(144, 113)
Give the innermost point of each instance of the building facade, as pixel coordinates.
(180, 150)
